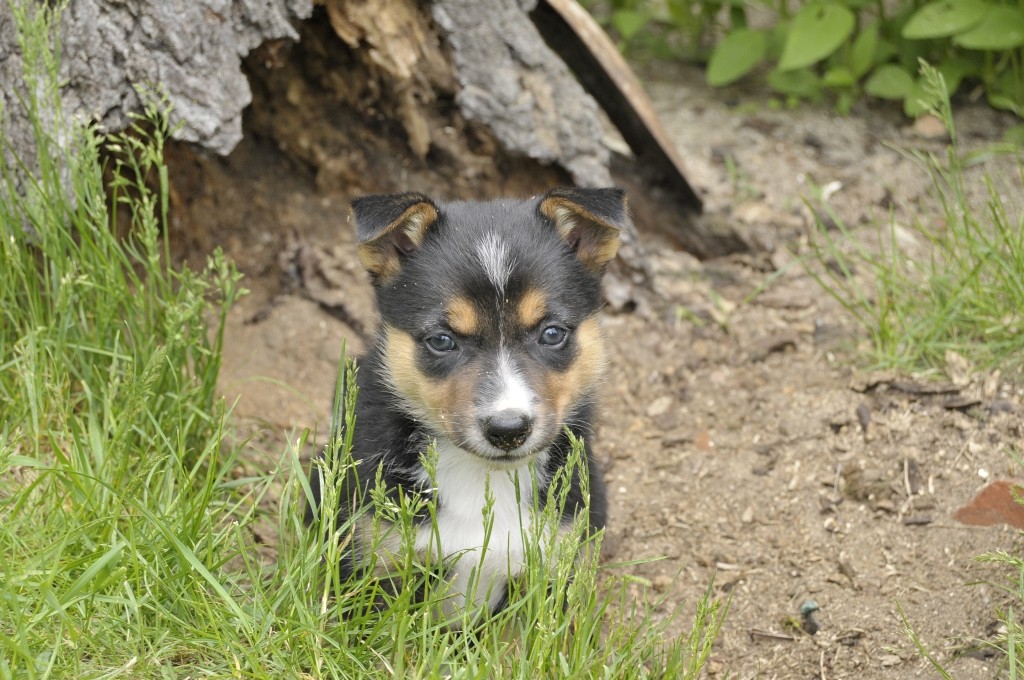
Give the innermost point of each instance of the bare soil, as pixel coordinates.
(740, 441)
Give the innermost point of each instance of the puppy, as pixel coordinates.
(488, 347)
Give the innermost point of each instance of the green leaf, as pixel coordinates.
(628, 22)
(862, 54)
(838, 76)
(889, 81)
(82, 582)
(735, 56)
(1006, 92)
(818, 29)
(1001, 29)
(944, 18)
(801, 83)
(1004, 103)
(681, 13)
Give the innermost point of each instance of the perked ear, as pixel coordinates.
(590, 221)
(389, 227)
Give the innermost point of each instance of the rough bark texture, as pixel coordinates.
(511, 81)
(191, 48)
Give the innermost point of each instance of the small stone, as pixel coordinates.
(703, 441)
(889, 660)
(659, 406)
(672, 440)
(754, 212)
(1001, 406)
(958, 368)
(661, 583)
(748, 516)
(930, 127)
(864, 416)
(778, 342)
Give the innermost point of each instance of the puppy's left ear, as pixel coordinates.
(590, 221)
(389, 228)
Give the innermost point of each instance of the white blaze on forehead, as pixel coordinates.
(495, 259)
(512, 390)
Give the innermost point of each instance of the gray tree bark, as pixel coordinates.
(191, 49)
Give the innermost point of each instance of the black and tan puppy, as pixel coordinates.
(488, 346)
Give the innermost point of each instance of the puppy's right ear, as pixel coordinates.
(389, 227)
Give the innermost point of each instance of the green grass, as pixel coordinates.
(962, 291)
(126, 518)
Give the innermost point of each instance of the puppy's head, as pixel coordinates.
(489, 332)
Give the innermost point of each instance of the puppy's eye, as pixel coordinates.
(553, 336)
(440, 343)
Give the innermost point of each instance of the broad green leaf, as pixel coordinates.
(735, 56)
(862, 54)
(838, 76)
(944, 18)
(1001, 29)
(818, 29)
(629, 22)
(889, 81)
(800, 83)
(1005, 103)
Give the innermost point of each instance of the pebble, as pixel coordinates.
(661, 583)
(930, 127)
(659, 406)
(889, 660)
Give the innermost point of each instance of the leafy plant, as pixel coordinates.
(848, 47)
(842, 48)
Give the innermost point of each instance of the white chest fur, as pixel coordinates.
(463, 483)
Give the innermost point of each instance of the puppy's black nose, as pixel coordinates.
(507, 429)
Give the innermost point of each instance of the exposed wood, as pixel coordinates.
(595, 60)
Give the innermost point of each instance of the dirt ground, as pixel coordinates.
(733, 419)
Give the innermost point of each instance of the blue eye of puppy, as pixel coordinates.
(441, 343)
(553, 336)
